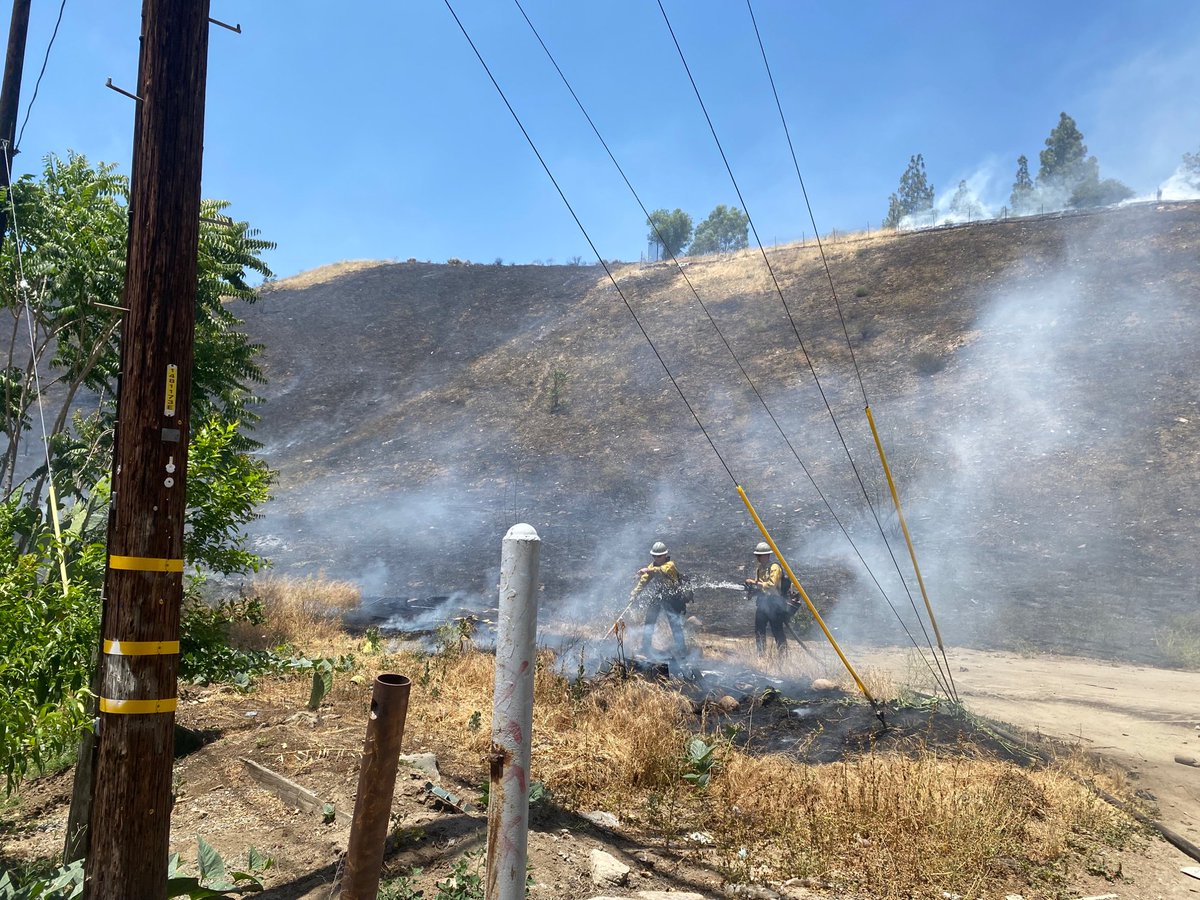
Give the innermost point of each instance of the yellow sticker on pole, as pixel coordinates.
(172, 384)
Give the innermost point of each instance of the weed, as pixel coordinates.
(465, 881)
(700, 762)
(214, 879)
(403, 887)
(372, 641)
(475, 721)
(1180, 641)
(558, 383)
(455, 635)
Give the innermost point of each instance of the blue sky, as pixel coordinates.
(369, 130)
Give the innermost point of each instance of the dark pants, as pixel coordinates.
(770, 609)
(673, 608)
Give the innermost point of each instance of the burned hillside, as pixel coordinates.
(1034, 381)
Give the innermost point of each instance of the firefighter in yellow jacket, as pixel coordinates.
(665, 593)
(771, 606)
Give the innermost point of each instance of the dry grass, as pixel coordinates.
(900, 825)
(888, 823)
(304, 613)
(323, 274)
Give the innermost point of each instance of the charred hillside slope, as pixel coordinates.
(1035, 382)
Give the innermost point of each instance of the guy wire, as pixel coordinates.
(728, 346)
(795, 329)
(23, 292)
(850, 346)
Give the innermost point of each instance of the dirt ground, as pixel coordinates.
(1135, 716)
(1138, 717)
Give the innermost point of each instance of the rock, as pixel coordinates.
(728, 704)
(601, 818)
(798, 888)
(824, 684)
(752, 892)
(607, 870)
(670, 895)
(703, 838)
(422, 762)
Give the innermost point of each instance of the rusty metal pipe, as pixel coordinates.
(376, 784)
(512, 716)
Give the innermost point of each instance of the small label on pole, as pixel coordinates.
(172, 383)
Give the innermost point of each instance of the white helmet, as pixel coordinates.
(763, 549)
(659, 549)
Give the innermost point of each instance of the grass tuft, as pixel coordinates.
(303, 613)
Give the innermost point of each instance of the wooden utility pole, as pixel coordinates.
(131, 811)
(10, 96)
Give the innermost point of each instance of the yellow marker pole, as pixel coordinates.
(62, 551)
(812, 609)
(904, 527)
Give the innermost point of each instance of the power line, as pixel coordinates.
(38, 83)
(721, 335)
(791, 320)
(741, 492)
(588, 238)
(850, 346)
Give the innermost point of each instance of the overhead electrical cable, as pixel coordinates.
(678, 389)
(850, 346)
(37, 84)
(791, 320)
(728, 346)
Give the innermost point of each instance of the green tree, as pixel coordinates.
(73, 221)
(1190, 170)
(963, 204)
(1094, 192)
(894, 214)
(915, 195)
(1065, 161)
(1067, 168)
(724, 230)
(671, 231)
(1021, 198)
(73, 228)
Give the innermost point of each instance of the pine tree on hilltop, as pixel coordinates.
(1021, 199)
(915, 195)
(1065, 158)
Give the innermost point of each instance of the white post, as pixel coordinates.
(512, 716)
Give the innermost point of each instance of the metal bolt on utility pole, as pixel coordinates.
(512, 716)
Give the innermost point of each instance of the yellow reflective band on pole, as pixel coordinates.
(138, 707)
(812, 609)
(904, 527)
(141, 648)
(145, 564)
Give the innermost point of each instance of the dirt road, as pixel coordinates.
(1137, 716)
